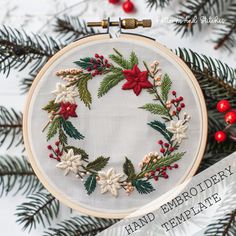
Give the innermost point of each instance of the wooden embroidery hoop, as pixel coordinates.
(86, 40)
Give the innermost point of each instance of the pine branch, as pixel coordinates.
(10, 127)
(16, 174)
(40, 208)
(157, 3)
(19, 50)
(72, 28)
(189, 16)
(227, 32)
(216, 79)
(26, 83)
(223, 227)
(80, 226)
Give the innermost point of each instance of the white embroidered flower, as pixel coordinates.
(178, 129)
(65, 94)
(109, 181)
(70, 162)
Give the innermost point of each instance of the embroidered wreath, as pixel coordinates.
(154, 165)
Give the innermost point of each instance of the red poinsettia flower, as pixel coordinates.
(68, 110)
(136, 80)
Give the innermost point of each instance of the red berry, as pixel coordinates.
(114, 1)
(89, 69)
(108, 65)
(51, 155)
(171, 149)
(230, 117)
(182, 105)
(152, 173)
(166, 145)
(223, 106)
(57, 143)
(57, 151)
(128, 6)
(163, 173)
(163, 168)
(173, 113)
(96, 55)
(158, 169)
(49, 147)
(220, 136)
(170, 167)
(160, 142)
(166, 176)
(155, 178)
(178, 108)
(173, 93)
(162, 150)
(173, 101)
(58, 159)
(181, 98)
(176, 166)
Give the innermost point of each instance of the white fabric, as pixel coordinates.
(113, 127)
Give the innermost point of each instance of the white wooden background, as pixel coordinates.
(37, 16)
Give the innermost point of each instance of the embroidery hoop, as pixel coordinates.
(96, 38)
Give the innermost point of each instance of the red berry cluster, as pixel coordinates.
(166, 148)
(224, 106)
(56, 152)
(127, 5)
(161, 172)
(98, 65)
(177, 103)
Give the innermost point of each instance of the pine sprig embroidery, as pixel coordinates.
(53, 128)
(70, 129)
(84, 93)
(119, 59)
(165, 87)
(155, 109)
(110, 81)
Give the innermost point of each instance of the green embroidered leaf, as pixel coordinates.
(70, 129)
(143, 186)
(84, 63)
(51, 106)
(128, 169)
(165, 87)
(133, 60)
(109, 82)
(120, 60)
(53, 128)
(90, 184)
(84, 94)
(77, 151)
(62, 137)
(98, 164)
(156, 109)
(161, 127)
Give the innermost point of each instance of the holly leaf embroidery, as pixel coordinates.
(84, 94)
(90, 184)
(53, 128)
(155, 109)
(161, 127)
(165, 87)
(98, 164)
(77, 151)
(70, 129)
(110, 81)
(143, 186)
(128, 169)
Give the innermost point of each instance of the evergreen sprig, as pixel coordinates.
(72, 28)
(19, 50)
(223, 227)
(26, 82)
(10, 127)
(80, 226)
(40, 208)
(157, 3)
(189, 16)
(227, 32)
(17, 175)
